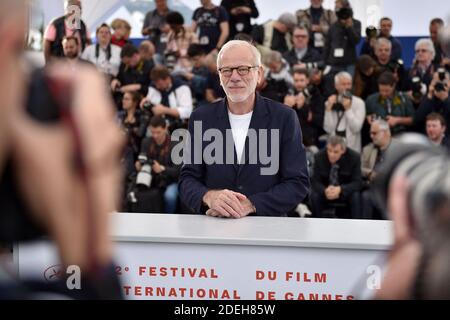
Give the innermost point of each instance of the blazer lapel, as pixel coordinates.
(260, 120)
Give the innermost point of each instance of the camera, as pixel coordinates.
(170, 60)
(427, 169)
(395, 65)
(441, 73)
(344, 13)
(148, 106)
(144, 177)
(417, 88)
(371, 32)
(441, 86)
(339, 106)
(319, 65)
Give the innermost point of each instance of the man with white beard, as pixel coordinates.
(255, 127)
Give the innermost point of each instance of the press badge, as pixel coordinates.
(319, 40)
(339, 53)
(204, 40)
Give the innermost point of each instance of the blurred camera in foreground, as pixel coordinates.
(427, 169)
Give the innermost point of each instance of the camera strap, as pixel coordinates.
(340, 117)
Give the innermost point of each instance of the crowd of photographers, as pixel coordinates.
(351, 105)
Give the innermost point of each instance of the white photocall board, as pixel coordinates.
(197, 257)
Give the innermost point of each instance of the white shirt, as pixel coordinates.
(239, 127)
(108, 67)
(180, 98)
(351, 122)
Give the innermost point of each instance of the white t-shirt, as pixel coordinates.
(239, 127)
(108, 67)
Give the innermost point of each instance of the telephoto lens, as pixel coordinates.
(427, 169)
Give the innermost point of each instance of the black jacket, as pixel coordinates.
(349, 172)
(157, 153)
(312, 55)
(313, 129)
(428, 106)
(340, 37)
(243, 20)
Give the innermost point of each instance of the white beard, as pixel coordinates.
(237, 98)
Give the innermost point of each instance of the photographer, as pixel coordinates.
(383, 53)
(104, 55)
(60, 28)
(372, 34)
(169, 98)
(156, 28)
(241, 12)
(371, 159)
(277, 78)
(301, 54)
(345, 113)
(342, 39)
(318, 20)
(423, 66)
(336, 181)
(134, 122)
(307, 101)
(390, 105)
(436, 128)
(162, 176)
(134, 74)
(366, 74)
(437, 100)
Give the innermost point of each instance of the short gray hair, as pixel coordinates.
(335, 140)
(342, 75)
(288, 19)
(238, 43)
(381, 41)
(382, 124)
(429, 44)
(272, 56)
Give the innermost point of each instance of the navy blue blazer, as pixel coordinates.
(272, 195)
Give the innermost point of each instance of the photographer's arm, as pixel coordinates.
(329, 121)
(354, 33)
(131, 88)
(355, 116)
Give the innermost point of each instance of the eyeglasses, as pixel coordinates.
(241, 70)
(300, 36)
(421, 50)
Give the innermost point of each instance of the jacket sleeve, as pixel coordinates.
(255, 12)
(354, 33)
(365, 161)
(329, 122)
(172, 170)
(355, 116)
(192, 188)
(355, 184)
(294, 182)
(317, 184)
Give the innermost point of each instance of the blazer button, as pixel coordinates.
(240, 187)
